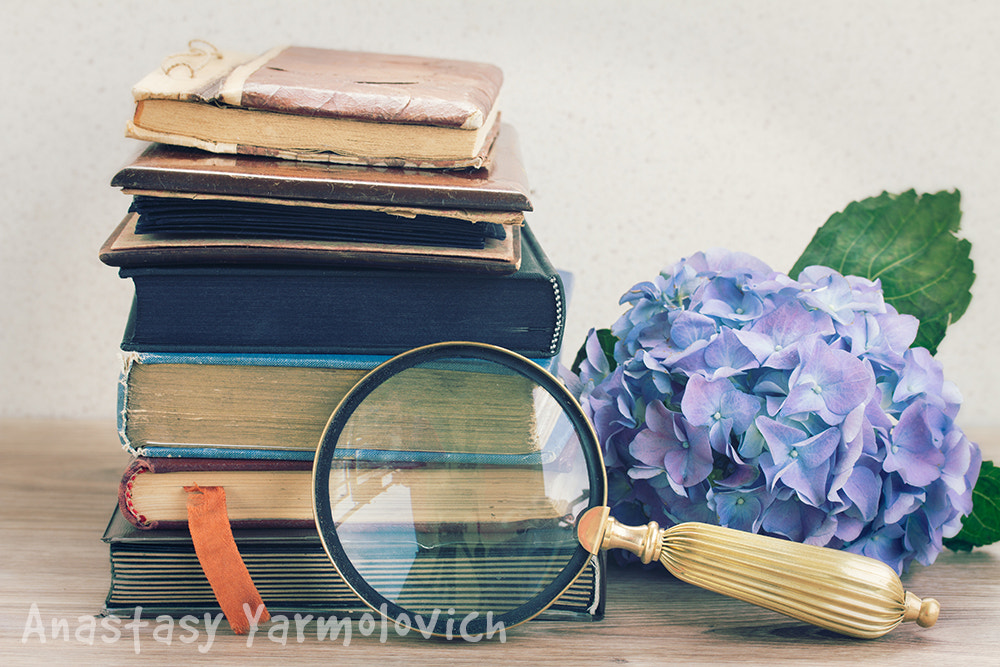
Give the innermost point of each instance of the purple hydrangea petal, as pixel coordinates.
(726, 356)
(899, 498)
(913, 452)
(774, 336)
(725, 300)
(842, 297)
(742, 510)
(884, 543)
(829, 382)
(720, 407)
(670, 445)
(864, 490)
(798, 522)
(798, 460)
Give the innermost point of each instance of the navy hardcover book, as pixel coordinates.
(344, 310)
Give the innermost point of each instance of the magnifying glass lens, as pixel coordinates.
(453, 489)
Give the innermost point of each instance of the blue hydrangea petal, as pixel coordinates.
(798, 522)
(884, 543)
(842, 297)
(799, 461)
(922, 375)
(724, 299)
(913, 452)
(671, 445)
(741, 510)
(720, 407)
(726, 356)
(864, 491)
(960, 456)
(829, 382)
(899, 498)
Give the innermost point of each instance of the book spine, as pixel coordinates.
(127, 359)
(125, 505)
(205, 452)
(345, 361)
(559, 310)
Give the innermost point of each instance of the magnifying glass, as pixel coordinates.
(460, 485)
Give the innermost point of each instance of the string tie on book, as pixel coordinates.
(208, 521)
(199, 54)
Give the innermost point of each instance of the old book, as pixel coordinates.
(265, 406)
(179, 216)
(151, 493)
(159, 571)
(499, 186)
(345, 310)
(124, 247)
(325, 105)
(279, 492)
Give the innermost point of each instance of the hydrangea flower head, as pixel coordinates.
(795, 408)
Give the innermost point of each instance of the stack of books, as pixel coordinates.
(297, 218)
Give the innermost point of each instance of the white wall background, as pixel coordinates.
(650, 130)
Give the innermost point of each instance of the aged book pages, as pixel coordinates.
(247, 403)
(500, 186)
(126, 248)
(272, 493)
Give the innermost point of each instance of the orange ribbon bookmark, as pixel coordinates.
(220, 559)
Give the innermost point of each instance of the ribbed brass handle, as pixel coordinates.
(844, 592)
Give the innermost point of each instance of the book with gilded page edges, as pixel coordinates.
(325, 105)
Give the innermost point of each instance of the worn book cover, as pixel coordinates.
(170, 214)
(319, 104)
(500, 186)
(126, 248)
(345, 310)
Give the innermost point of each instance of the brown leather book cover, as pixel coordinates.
(502, 186)
(125, 248)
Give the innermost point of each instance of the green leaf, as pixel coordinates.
(607, 341)
(982, 527)
(909, 242)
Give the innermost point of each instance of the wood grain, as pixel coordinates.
(58, 481)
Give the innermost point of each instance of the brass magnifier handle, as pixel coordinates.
(837, 590)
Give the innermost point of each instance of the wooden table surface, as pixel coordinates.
(58, 484)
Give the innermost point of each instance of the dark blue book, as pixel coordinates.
(345, 310)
